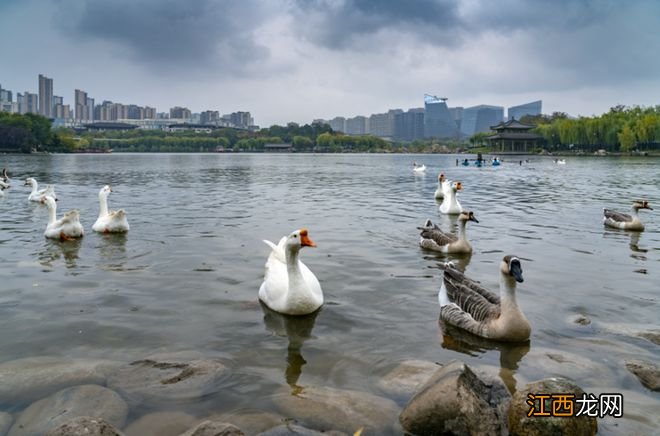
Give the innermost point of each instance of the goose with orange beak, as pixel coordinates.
(289, 287)
(450, 204)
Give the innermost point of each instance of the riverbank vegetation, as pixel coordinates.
(621, 129)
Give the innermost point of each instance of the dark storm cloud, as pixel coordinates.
(173, 33)
(338, 24)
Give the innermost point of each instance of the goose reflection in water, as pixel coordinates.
(465, 342)
(54, 250)
(112, 250)
(296, 329)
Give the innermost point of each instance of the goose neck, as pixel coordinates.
(103, 205)
(508, 293)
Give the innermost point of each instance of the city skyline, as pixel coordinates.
(295, 61)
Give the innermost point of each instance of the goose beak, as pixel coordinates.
(305, 241)
(472, 218)
(516, 272)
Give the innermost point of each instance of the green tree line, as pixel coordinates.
(622, 128)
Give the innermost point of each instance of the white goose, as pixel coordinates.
(36, 194)
(440, 191)
(417, 168)
(290, 287)
(109, 221)
(466, 304)
(65, 228)
(3, 186)
(624, 221)
(450, 204)
(432, 238)
(5, 177)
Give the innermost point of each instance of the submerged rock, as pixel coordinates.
(30, 379)
(581, 320)
(252, 421)
(648, 373)
(88, 400)
(521, 424)
(457, 401)
(407, 377)
(324, 409)
(85, 426)
(174, 377)
(211, 428)
(292, 430)
(652, 335)
(5, 422)
(161, 424)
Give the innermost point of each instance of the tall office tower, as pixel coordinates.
(31, 102)
(80, 105)
(45, 96)
(438, 122)
(22, 103)
(357, 125)
(532, 108)
(457, 116)
(90, 109)
(409, 126)
(478, 119)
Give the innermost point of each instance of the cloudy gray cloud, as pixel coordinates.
(172, 34)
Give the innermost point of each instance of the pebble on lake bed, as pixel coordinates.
(648, 373)
(85, 426)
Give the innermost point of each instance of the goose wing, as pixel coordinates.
(471, 297)
(617, 216)
(438, 236)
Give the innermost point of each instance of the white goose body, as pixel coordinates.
(109, 221)
(3, 186)
(67, 227)
(289, 287)
(440, 190)
(432, 238)
(624, 221)
(36, 195)
(450, 204)
(465, 304)
(418, 168)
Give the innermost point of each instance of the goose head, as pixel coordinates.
(48, 201)
(466, 216)
(441, 178)
(511, 267)
(641, 204)
(456, 186)
(298, 239)
(105, 191)
(29, 182)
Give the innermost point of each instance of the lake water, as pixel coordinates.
(186, 276)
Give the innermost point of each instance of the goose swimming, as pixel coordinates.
(464, 303)
(440, 191)
(3, 186)
(36, 194)
(65, 228)
(450, 204)
(109, 221)
(624, 221)
(5, 177)
(289, 287)
(419, 168)
(432, 238)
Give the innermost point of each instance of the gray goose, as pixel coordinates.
(432, 238)
(624, 221)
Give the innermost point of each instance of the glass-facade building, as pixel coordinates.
(478, 119)
(438, 121)
(532, 108)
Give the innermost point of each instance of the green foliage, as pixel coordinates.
(627, 139)
(22, 133)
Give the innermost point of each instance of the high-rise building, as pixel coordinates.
(357, 125)
(409, 126)
(209, 117)
(438, 122)
(5, 95)
(338, 124)
(45, 96)
(457, 116)
(90, 108)
(149, 113)
(532, 108)
(478, 119)
(382, 125)
(30, 103)
(80, 105)
(180, 113)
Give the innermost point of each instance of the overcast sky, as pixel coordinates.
(297, 60)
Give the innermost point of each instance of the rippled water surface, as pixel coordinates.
(186, 276)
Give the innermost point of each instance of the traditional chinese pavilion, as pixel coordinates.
(513, 137)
